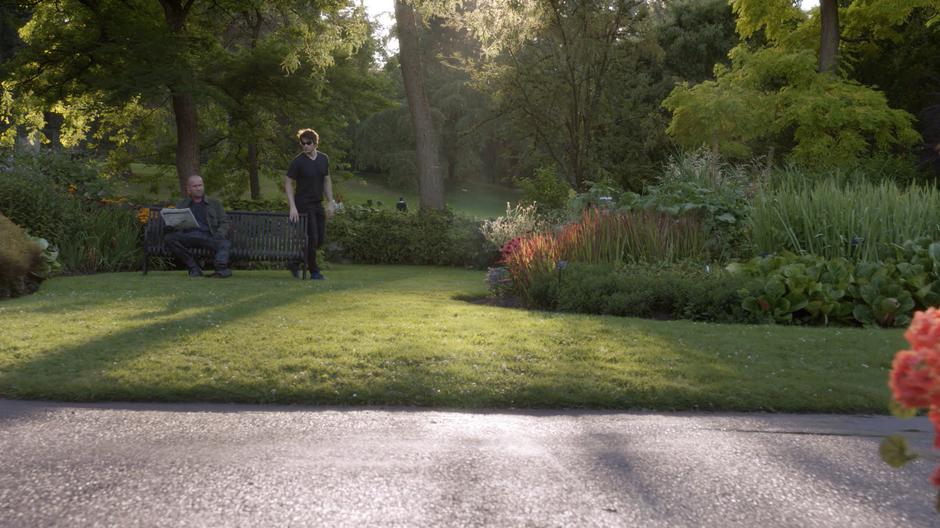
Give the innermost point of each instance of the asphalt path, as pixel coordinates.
(237, 465)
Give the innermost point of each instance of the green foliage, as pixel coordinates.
(854, 220)
(809, 289)
(519, 220)
(545, 189)
(693, 184)
(246, 72)
(48, 258)
(39, 200)
(798, 289)
(774, 97)
(777, 18)
(642, 291)
(272, 205)
(107, 239)
(62, 201)
(18, 256)
(698, 184)
(378, 236)
(696, 36)
(880, 296)
(585, 104)
(604, 237)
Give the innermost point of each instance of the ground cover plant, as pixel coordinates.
(398, 335)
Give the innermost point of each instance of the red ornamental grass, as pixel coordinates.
(605, 237)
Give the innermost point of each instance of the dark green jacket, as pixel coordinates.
(218, 220)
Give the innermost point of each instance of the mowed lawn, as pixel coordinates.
(398, 335)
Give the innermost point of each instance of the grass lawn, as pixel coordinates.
(474, 199)
(397, 335)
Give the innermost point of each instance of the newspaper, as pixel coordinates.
(179, 218)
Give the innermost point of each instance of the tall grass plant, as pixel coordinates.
(832, 218)
(108, 239)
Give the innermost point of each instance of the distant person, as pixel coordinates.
(211, 234)
(306, 184)
(402, 206)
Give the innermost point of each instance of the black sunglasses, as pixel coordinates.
(306, 142)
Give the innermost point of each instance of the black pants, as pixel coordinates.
(179, 243)
(316, 231)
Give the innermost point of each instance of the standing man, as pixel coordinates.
(310, 172)
(211, 234)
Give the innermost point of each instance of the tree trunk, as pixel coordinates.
(829, 36)
(429, 165)
(187, 138)
(253, 171)
(184, 106)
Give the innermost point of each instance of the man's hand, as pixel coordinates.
(294, 215)
(330, 208)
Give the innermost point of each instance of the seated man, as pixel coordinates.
(211, 233)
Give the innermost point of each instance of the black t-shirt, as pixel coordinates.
(309, 175)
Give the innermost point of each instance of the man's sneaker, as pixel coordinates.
(223, 273)
(317, 276)
(294, 269)
(195, 272)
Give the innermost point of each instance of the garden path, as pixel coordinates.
(146, 464)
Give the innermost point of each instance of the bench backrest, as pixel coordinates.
(254, 235)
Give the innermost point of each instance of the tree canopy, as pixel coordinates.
(107, 66)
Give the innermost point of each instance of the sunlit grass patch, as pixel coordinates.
(397, 335)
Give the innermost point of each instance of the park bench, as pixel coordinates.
(254, 236)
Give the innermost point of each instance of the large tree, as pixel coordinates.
(431, 185)
(550, 65)
(91, 57)
(792, 92)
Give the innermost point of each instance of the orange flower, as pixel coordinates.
(915, 374)
(143, 215)
(924, 331)
(911, 381)
(72, 189)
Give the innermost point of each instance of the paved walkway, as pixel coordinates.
(236, 465)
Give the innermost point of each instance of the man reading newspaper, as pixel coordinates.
(210, 231)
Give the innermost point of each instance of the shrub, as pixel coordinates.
(672, 292)
(376, 236)
(34, 201)
(60, 202)
(18, 256)
(718, 194)
(521, 220)
(545, 189)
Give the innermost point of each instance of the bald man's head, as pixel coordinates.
(194, 188)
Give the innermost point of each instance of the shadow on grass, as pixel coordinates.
(79, 372)
(576, 362)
